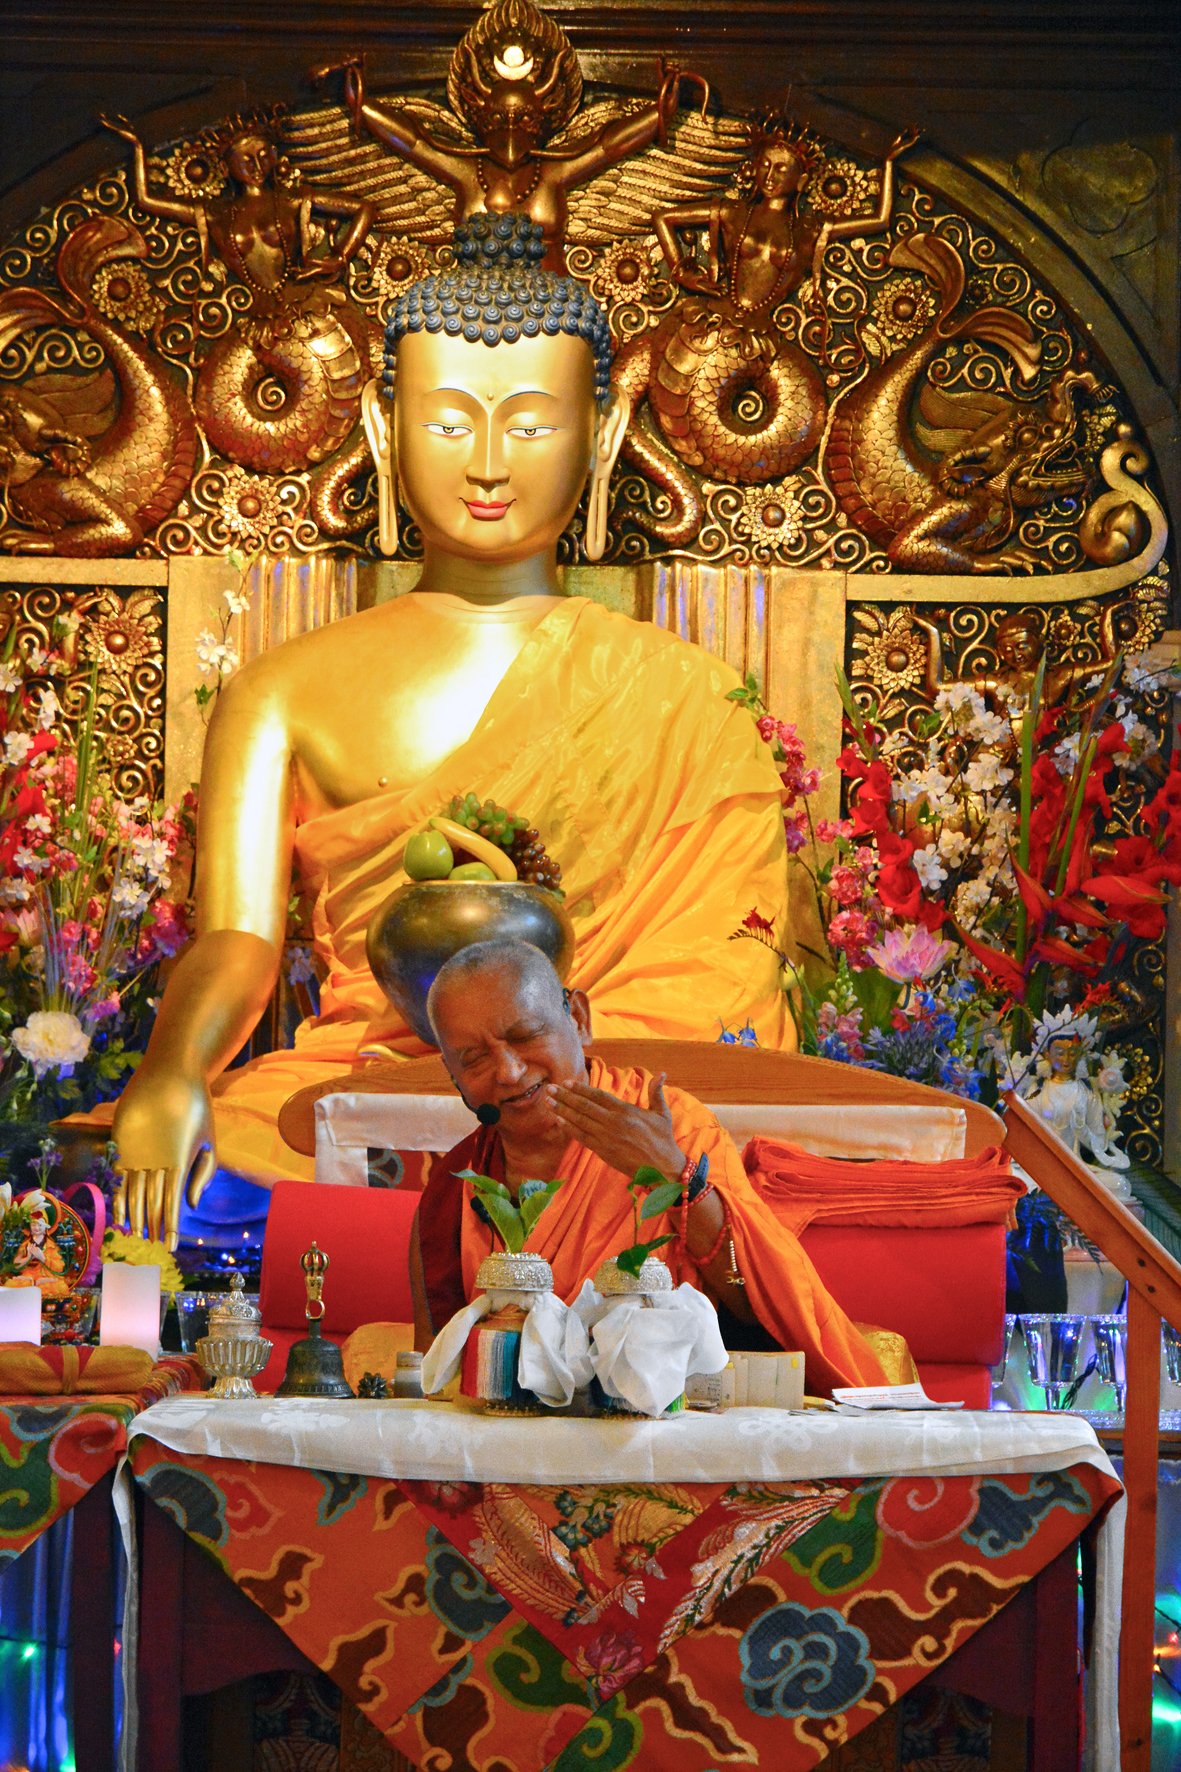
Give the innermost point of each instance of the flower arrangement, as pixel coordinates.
(978, 899)
(87, 910)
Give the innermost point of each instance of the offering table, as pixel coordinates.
(750, 1587)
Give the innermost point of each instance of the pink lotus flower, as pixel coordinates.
(906, 956)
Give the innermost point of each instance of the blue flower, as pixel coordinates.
(796, 1662)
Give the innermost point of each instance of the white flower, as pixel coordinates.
(39, 824)
(9, 680)
(130, 897)
(36, 660)
(151, 854)
(215, 655)
(1065, 753)
(299, 965)
(17, 746)
(49, 711)
(929, 868)
(30, 861)
(986, 774)
(13, 891)
(237, 602)
(5, 1197)
(961, 701)
(953, 846)
(52, 1039)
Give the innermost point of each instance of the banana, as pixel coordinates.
(479, 848)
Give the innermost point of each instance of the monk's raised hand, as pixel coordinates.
(626, 1136)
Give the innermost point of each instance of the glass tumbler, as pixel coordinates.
(1054, 1343)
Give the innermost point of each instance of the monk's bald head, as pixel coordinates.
(505, 1025)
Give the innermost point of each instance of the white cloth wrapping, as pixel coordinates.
(554, 1360)
(643, 1349)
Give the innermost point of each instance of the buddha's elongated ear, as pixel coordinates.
(610, 431)
(378, 419)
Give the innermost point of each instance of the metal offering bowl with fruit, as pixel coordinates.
(475, 873)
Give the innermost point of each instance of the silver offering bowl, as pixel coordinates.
(421, 925)
(232, 1361)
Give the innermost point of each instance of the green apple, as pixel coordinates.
(428, 856)
(473, 870)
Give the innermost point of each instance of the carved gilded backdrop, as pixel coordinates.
(866, 428)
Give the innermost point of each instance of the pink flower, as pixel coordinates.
(846, 886)
(828, 830)
(170, 929)
(906, 955)
(80, 974)
(851, 932)
(768, 727)
(71, 932)
(795, 831)
(104, 1008)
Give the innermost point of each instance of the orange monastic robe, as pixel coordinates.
(654, 793)
(590, 1219)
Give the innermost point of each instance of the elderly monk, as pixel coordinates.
(514, 1042)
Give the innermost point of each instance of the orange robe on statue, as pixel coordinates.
(590, 1219)
(662, 806)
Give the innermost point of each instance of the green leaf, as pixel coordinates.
(533, 1205)
(661, 1199)
(484, 1184)
(647, 1176)
(507, 1220)
(876, 994)
(632, 1260)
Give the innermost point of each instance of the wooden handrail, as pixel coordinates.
(1154, 1291)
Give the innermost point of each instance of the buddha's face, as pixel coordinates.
(493, 442)
(778, 170)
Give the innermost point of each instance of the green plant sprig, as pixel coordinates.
(651, 1193)
(512, 1220)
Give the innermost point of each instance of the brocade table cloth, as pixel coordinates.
(527, 1593)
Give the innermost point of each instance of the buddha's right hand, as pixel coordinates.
(163, 1132)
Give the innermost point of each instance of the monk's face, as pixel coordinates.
(503, 1039)
(493, 442)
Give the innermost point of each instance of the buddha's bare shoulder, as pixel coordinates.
(351, 646)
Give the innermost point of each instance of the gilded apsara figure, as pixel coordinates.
(300, 334)
(733, 397)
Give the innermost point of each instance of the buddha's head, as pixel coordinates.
(502, 405)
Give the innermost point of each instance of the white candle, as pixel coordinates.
(20, 1313)
(130, 1306)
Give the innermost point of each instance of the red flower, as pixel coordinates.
(900, 890)
(757, 924)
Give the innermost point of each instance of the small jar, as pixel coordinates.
(611, 1280)
(234, 1352)
(492, 1355)
(408, 1375)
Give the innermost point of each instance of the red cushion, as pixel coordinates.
(944, 1290)
(366, 1235)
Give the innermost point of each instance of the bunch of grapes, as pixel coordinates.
(532, 863)
(486, 818)
(514, 835)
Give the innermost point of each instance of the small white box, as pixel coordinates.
(768, 1381)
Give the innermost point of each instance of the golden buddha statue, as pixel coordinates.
(616, 739)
